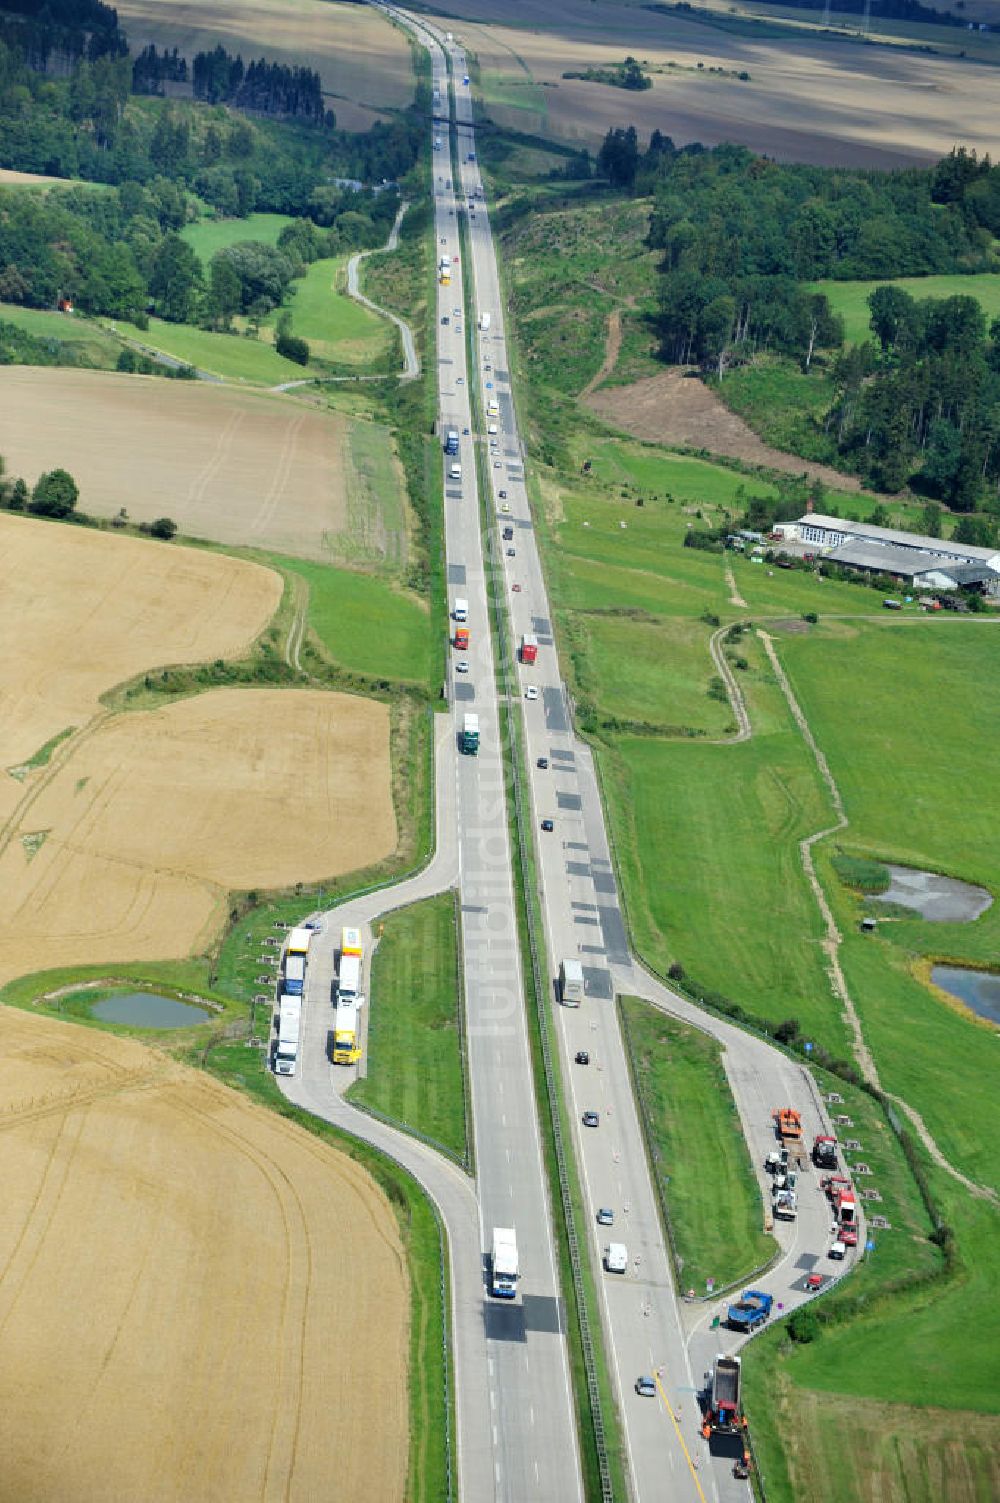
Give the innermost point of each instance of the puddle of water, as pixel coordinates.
(147, 1010)
(940, 900)
(979, 990)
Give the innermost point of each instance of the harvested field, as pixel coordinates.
(71, 627)
(11, 179)
(172, 1257)
(676, 408)
(809, 98)
(364, 62)
(126, 846)
(235, 466)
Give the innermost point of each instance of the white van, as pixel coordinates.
(616, 1257)
(493, 430)
(455, 473)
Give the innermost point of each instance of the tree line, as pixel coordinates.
(261, 87)
(55, 494)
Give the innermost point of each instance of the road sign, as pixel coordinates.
(808, 1048)
(869, 1246)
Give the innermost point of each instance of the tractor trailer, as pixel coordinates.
(286, 1050)
(503, 1263)
(350, 941)
(349, 980)
(295, 974)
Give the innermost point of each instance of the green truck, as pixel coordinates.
(470, 735)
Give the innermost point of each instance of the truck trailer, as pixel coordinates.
(349, 979)
(286, 1051)
(298, 941)
(350, 941)
(724, 1397)
(503, 1263)
(484, 321)
(751, 1310)
(295, 974)
(346, 1028)
(571, 983)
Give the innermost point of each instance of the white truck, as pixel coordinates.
(571, 983)
(286, 1051)
(503, 1263)
(785, 1207)
(484, 321)
(460, 610)
(455, 472)
(349, 979)
(616, 1257)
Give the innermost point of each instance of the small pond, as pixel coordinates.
(979, 990)
(147, 1010)
(940, 900)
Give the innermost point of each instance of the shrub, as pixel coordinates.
(804, 1326)
(810, 616)
(293, 348)
(163, 527)
(55, 494)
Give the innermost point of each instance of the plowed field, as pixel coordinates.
(81, 611)
(235, 466)
(125, 848)
(180, 1303)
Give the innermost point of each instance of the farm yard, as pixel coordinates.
(68, 644)
(232, 466)
(128, 845)
(167, 1289)
(809, 98)
(363, 61)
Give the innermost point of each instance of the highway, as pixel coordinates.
(515, 1414)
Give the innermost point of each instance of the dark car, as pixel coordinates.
(582, 1057)
(502, 494)
(511, 553)
(508, 533)
(543, 763)
(445, 319)
(548, 825)
(591, 1119)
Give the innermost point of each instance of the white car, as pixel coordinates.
(531, 692)
(462, 667)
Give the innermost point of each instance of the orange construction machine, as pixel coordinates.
(789, 1124)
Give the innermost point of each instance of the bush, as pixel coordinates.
(163, 527)
(804, 1326)
(293, 348)
(55, 494)
(787, 1031)
(810, 616)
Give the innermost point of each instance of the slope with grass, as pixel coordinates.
(367, 624)
(415, 1065)
(232, 357)
(337, 328)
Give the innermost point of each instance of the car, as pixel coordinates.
(457, 312)
(445, 319)
(462, 667)
(582, 1057)
(498, 464)
(508, 533)
(511, 552)
(814, 1281)
(502, 494)
(444, 238)
(459, 380)
(548, 825)
(516, 588)
(838, 1252)
(543, 763)
(591, 1119)
(506, 506)
(605, 1216)
(645, 1388)
(531, 692)
(466, 432)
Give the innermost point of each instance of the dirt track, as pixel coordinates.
(675, 408)
(182, 1309)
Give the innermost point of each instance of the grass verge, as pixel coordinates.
(415, 1056)
(708, 1194)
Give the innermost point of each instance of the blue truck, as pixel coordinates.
(751, 1310)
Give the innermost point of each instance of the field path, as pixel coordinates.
(411, 364)
(612, 349)
(832, 938)
(744, 730)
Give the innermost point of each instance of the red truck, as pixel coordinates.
(529, 648)
(461, 638)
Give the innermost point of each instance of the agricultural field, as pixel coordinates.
(128, 844)
(850, 299)
(152, 1253)
(364, 62)
(237, 467)
(87, 631)
(809, 98)
(11, 179)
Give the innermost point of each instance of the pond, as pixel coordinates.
(147, 1010)
(940, 900)
(979, 990)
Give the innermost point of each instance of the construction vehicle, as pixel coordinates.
(785, 1206)
(570, 983)
(789, 1123)
(350, 942)
(349, 979)
(346, 1028)
(723, 1415)
(503, 1263)
(824, 1153)
(286, 1050)
(751, 1310)
(470, 735)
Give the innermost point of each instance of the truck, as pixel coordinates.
(346, 1048)
(470, 735)
(824, 1151)
(571, 983)
(295, 974)
(484, 321)
(461, 639)
(846, 1206)
(455, 472)
(451, 441)
(437, 143)
(785, 1205)
(503, 1263)
(616, 1257)
(789, 1123)
(298, 941)
(724, 1395)
(286, 1051)
(751, 1310)
(460, 610)
(349, 979)
(445, 263)
(350, 941)
(444, 277)
(529, 647)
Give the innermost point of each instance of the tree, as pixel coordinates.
(225, 292)
(18, 498)
(930, 520)
(292, 347)
(163, 527)
(55, 494)
(176, 280)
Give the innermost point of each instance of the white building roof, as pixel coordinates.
(882, 536)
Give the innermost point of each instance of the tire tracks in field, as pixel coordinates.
(744, 730)
(832, 938)
(282, 471)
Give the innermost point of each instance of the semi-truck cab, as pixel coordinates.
(451, 441)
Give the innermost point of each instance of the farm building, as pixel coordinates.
(928, 563)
